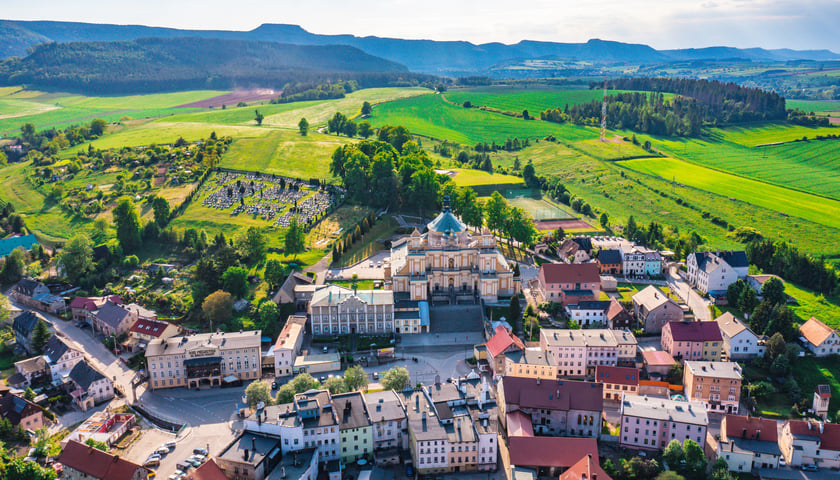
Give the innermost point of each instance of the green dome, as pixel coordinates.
(446, 223)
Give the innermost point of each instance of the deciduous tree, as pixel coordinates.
(773, 291)
(252, 245)
(295, 238)
(127, 221)
(218, 307)
(355, 378)
(495, 211)
(258, 117)
(335, 385)
(235, 281)
(303, 126)
(76, 258)
(395, 379)
(274, 272)
(258, 391)
(161, 210)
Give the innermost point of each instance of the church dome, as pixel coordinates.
(446, 223)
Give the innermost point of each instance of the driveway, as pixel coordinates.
(363, 268)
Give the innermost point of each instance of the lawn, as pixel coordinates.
(815, 106)
(283, 152)
(430, 116)
(515, 99)
(541, 208)
(361, 284)
(465, 177)
(166, 132)
(811, 371)
(772, 197)
(810, 304)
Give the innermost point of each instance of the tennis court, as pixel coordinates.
(539, 208)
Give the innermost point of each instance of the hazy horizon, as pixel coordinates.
(767, 24)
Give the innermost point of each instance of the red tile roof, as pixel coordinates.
(551, 451)
(585, 469)
(96, 463)
(739, 426)
(617, 375)
(570, 273)
(208, 470)
(553, 394)
(829, 438)
(153, 328)
(824, 391)
(519, 424)
(695, 331)
(815, 331)
(93, 303)
(658, 357)
(502, 340)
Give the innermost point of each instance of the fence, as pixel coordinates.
(160, 422)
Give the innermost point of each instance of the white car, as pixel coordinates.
(370, 264)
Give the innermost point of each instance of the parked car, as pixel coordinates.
(325, 349)
(170, 444)
(200, 451)
(151, 462)
(409, 470)
(162, 450)
(183, 466)
(274, 386)
(376, 375)
(810, 467)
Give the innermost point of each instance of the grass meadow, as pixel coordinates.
(513, 99)
(816, 106)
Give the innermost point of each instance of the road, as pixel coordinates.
(698, 305)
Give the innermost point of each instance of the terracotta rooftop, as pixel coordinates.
(815, 331)
(753, 428)
(502, 340)
(585, 469)
(570, 273)
(551, 451)
(96, 463)
(828, 433)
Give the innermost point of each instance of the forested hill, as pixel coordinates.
(161, 64)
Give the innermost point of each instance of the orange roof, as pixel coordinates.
(658, 357)
(815, 331)
(519, 424)
(828, 433)
(753, 428)
(502, 340)
(96, 463)
(585, 469)
(208, 470)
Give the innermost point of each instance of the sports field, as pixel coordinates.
(772, 197)
(539, 208)
(464, 177)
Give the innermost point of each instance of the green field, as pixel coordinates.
(514, 99)
(430, 116)
(772, 197)
(282, 152)
(470, 178)
(810, 304)
(540, 208)
(815, 106)
(763, 134)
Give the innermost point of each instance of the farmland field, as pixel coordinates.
(469, 178)
(771, 133)
(514, 99)
(816, 106)
(281, 152)
(771, 197)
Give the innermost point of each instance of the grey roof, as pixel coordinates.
(735, 259)
(325, 405)
(706, 260)
(446, 223)
(25, 323)
(384, 406)
(461, 430)
(609, 257)
(423, 429)
(27, 286)
(729, 370)
(590, 305)
(643, 406)
(257, 447)
(748, 445)
(84, 375)
(31, 365)
(286, 293)
(350, 408)
(55, 348)
(531, 356)
(443, 392)
(111, 314)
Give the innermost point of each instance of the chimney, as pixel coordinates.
(254, 443)
(245, 454)
(416, 402)
(282, 471)
(821, 427)
(538, 380)
(437, 379)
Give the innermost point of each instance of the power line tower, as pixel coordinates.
(604, 114)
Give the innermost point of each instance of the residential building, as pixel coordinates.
(578, 352)
(531, 362)
(411, 316)
(549, 456)
(448, 264)
(144, 330)
(692, 340)
(81, 462)
(586, 468)
(618, 318)
(653, 263)
(88, 387)
(105, 426)
(633, 260)
(60, 357)
(35, 294)
(713, 272)
(658, 362)
(111, 319)
(428, 440)
(80, 307)
(747, 443)
(310, 421)
(820, 339)
(557, 407)
(354, 427)
(203, 359)
(24, 327)
(287, 347)
(822, 399)
(617, 381)
(7, 245)
(286, 293)
(19, 411)
(248, 456)
(499, 345)
(809, 442)
(609, 262)
(339, 310)
(589, 313)
(210, 470)
(739, 342)
(756, 282)
(29, 372)
(568, 249)
(654, 309)
(388, 422)
(485, 417)
(717, 385)
(569, 284)
(651, 423)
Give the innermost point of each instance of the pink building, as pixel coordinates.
(570, 284)
(651, 423)
(692, 340)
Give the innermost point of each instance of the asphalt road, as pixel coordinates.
(698, 305)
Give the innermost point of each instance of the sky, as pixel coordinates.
(662, 24)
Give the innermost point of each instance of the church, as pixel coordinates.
(448, 264)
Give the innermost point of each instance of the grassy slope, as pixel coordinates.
(810, 304)
(815, 106)
(771, 197)
(518, 99)
(167, 132)
(468, 178)
(285, 153)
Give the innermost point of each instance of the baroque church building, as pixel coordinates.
(448, 264)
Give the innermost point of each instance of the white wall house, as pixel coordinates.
(713, 272)
(739, 342)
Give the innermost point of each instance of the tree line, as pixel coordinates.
(300, 92)
(781, 258)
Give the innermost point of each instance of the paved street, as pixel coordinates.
(699, 305)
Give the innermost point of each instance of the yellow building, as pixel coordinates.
(531, 362)
(449, 264)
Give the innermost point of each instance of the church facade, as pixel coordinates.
(447, 263)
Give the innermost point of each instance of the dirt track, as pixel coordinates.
(566, 224)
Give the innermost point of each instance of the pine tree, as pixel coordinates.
(40, 337)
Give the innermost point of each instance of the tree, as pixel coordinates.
(40, 336)
(274, 272)
(218, 307)
(127, 221)
(734, 291)
(773, 291)
(630, 228)
(161, 209)
(14, 267)
(423, 189)
(471, 208)
(675, 374)
(748, 300)
(775, 346)
(526, 115)
(761, 317)
(235, 281)
(720, 470)
(674, 454)
(355, 378)
(496, 209)
(365, 129)
(295, 238)
(303, 382)
(76, 258)
(19, 469)
(396, 379)
(258, 391)
(5, 308)
(530, 176)
(604, 220)
(520, 226)
(695, 459)
(514, 309)
(335, 385)
(285, 394)
(269, 314)
(303, 126)
(366, 108)
(252, 245)
(97, 127)
(258, 117)
(44, 445)
(90, 442)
